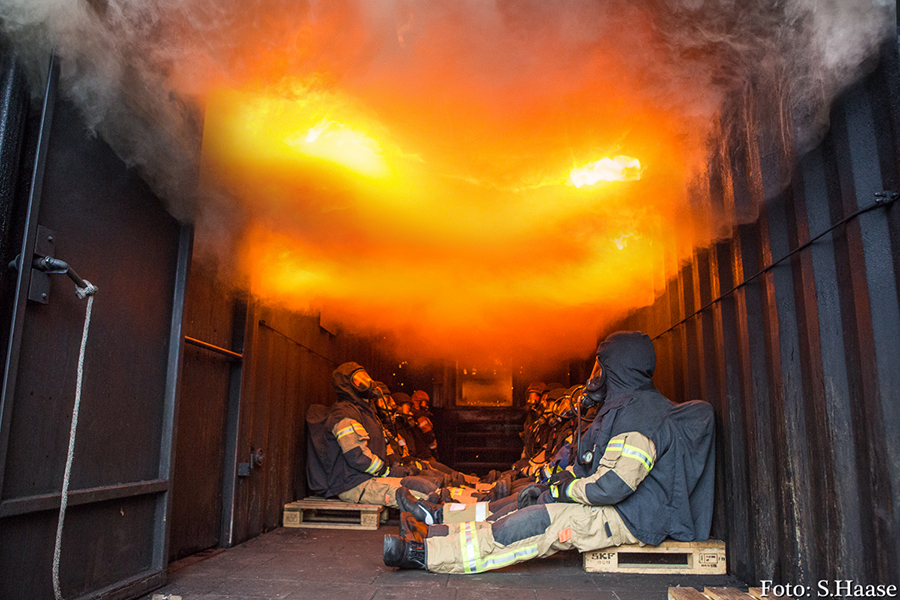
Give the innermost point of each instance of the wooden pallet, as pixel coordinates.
(757, 594)
(318, 513)
(670, 557)
(720, 593)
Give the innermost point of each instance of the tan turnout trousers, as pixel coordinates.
(377, 490)
(470, 547)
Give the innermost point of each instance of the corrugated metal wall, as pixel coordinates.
(801, 363)
(255, 399)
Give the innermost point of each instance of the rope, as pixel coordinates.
(86, 292)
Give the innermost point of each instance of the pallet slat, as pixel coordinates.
(680, 593)
(670, 557)
(757, 593)
(332, 514)
(721, 593)
(716, 593)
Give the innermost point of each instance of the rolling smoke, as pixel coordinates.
(477, 110)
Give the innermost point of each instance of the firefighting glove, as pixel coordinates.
(560, 484)
(529, 495)
(398, 471)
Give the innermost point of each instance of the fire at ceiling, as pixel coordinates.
(489, 178)
(471, 196)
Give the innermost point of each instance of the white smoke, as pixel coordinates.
(118, 56)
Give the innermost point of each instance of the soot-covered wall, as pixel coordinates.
(232, 406)
(801, 363)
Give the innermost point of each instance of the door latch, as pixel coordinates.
(43, 265)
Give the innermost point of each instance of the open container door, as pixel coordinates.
(86, 207)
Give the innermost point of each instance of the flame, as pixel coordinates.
(620, 168)
(340, 144)
(430, 193)
(408, 165)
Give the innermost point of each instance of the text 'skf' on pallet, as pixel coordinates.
(705, 558)
(318, 513)
(720, 593)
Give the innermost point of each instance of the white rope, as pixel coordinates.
(88, 291)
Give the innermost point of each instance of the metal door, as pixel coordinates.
(110, 227)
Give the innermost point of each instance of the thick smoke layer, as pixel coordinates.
(402, 165)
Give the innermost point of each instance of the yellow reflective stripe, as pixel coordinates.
(507, 558)
(469, 550)
(615, 444)
(471, 553)
(375, 466)
(638, 454)
(477, 551)
(345, 431)
(462, 548)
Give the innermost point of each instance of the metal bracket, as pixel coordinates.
(886, 197)
(44, 245)
(257, 456)
(43, 265)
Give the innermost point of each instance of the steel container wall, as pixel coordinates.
(802, 363)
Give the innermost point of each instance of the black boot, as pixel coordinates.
(422, 510)
(405, 554)
(502, 488)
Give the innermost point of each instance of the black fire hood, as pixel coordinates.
(341, 380)
(629, 360)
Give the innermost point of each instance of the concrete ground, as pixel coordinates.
(312, 564)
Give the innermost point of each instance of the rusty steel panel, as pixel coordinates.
(800, 357)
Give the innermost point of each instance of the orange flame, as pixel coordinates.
(431, 193)
(620, 168)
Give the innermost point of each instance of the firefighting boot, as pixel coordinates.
(422, 510)
(404, 554)
(411, 529)
(492, 476)
(502, 488)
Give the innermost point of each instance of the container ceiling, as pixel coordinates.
(428, 168)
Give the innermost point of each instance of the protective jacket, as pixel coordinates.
(648, 474)
(354, 445)
(426, 443)
(651, 459)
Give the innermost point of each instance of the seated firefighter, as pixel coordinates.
(347, 448)
(643, 472)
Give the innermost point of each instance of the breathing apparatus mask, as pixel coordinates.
(594, 393)
(595, 388)
(363, 384)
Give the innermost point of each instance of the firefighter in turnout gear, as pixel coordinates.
(643, 472)
(352, 457)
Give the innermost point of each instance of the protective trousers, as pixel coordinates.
(532, 532)
(377, 490)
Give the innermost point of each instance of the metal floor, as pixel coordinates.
(312, 564)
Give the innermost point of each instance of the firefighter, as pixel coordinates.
(356, 464)
(422, 415)
(419, 442)
(532, 401)
(644, 471)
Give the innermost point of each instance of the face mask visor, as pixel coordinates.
(595, 388)
(361, 382)
(593, 382)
